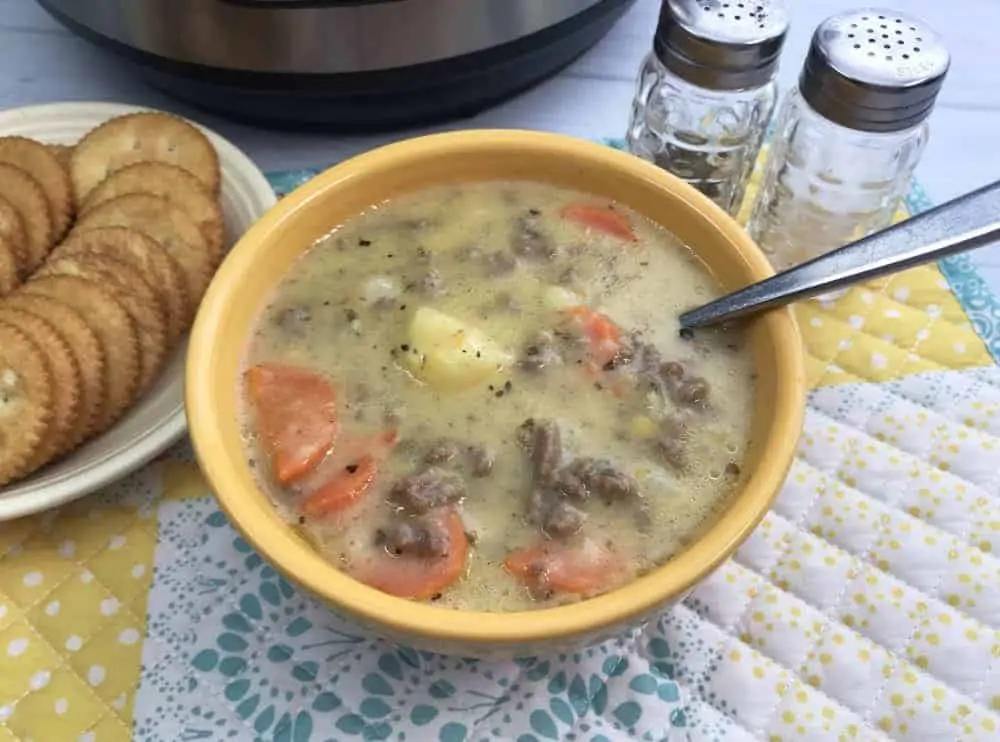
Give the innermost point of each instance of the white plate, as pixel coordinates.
(157, 420)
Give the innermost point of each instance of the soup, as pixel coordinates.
(478, 396)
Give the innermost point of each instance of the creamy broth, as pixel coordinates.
(460, 328)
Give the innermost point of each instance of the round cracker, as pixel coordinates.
(25, 402)
(62, 153)
(84, 346)
(36, 160)
(10, 270)
(172, 183)
(135, 296)
(136, 137)
(149, 258)
(164, 222)
(28, 199)
(115, 331)
(12, 230)
(66, 383)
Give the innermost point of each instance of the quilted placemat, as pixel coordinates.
(866, 606)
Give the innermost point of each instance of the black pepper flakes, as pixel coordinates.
(508, 385)
(364, 243)
(498, 393)
(351, 468)
(686, 333)
(402, 307)
(351, 315)
(404, 347)
(302, 520)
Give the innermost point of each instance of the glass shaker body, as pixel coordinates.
(708, 138)
(825, 185)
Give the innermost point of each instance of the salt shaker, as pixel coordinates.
(706, 92)
(847, 140)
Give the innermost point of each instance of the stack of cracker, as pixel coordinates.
(106, 248)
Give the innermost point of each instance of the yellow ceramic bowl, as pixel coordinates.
(265, 253)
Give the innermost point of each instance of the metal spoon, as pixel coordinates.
(967, 222)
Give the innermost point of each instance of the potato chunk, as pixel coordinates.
(451, 354)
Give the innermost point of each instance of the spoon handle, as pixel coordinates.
(967, 222)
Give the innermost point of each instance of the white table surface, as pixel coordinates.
(41, 62)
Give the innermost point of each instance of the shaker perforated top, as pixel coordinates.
(874, 70)
(721, 45)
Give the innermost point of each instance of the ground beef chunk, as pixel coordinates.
(558, 518)
(671, 371)
(571, 485)
(529, 241)
(548, 506)
(671, 450)
(691, 392)
(541, 352)
(646, 357)
(293, 319)
(671, 443)
(442, 452)
(557, 491)
(587, 476)
(422, 537)
(478, 460)
(542, 439)
(624, 356)
(481, 460)
(671, 378)
(427, 490)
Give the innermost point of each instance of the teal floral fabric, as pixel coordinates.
(238, 653)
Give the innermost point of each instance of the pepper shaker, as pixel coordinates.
(847, 140)
(706, 92)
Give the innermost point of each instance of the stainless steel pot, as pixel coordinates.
(342, 62)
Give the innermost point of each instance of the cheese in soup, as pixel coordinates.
(478, 396)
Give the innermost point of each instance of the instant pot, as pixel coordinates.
(353, 64)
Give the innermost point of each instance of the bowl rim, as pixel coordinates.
(300, 563)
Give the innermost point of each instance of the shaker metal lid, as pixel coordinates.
(721, 45)
(874, 70)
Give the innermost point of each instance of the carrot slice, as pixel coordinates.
(566, 569)
(604, 337)
(601, 219)
(344, 489)
(296, 417)
(344, 478)
(419, 578)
